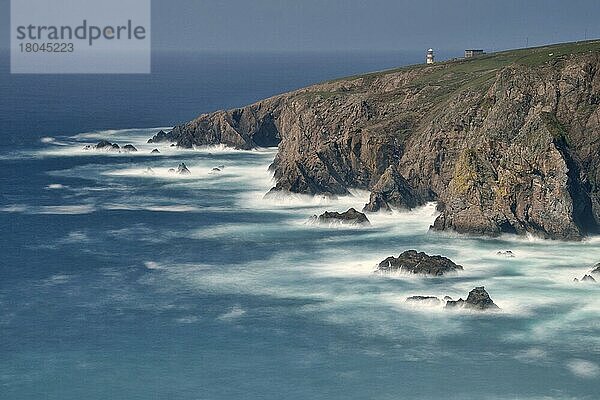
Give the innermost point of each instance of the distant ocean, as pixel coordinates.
(181, 86)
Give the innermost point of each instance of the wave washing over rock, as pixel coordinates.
(505, 143)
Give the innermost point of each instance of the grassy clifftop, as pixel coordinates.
(531, 56)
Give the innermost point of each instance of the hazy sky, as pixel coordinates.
(266, 25)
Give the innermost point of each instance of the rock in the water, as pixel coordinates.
(216, 170)
(172, 170)
(447, 298)
(588, 278)
(506, 253)
(478, 299)
(129, 148)
(154, 151)
(149, 171)
(575, 280)
(596, 269)
(348, 217)
(160, 137)
(415, 262)
(392, 190)
(106, 145)
(183, 170)
(221, 167)
(425, 299)
(455, 303)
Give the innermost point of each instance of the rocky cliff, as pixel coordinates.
(507, 142)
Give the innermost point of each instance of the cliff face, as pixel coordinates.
(505, 143)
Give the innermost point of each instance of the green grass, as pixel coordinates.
(482, 65)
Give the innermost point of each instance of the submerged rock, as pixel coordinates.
(348, 217)
(478, 299)
(588, 278)
(172, 170)
(154, 151)
(595, 269)
(506, 253)
(183, 170)
(129, 148)
(415, 262)
(455, 303)
(149, 171)
(425, 299)
(216, 170)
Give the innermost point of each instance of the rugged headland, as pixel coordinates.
(505, 143)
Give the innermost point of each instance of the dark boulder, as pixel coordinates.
(216, 170)
(478, 299)
(595, 269)
(129, 148)
(183, 170)
(348, 217)
(106, 145)
(154, 151)
(415, 262)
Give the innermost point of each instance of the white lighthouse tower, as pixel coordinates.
(430, 56)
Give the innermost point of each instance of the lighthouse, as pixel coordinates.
(430, 57)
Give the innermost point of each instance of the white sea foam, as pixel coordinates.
(188, 319)
(152, 207)
(66, 209)
(57, 209)
(583, 368)
(233, 314)
(152, 265)
(55, 186)
(14, 208)
(75, 237)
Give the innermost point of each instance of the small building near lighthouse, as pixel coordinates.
(469, 53)
(430, 56)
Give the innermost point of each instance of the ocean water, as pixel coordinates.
(120, 283)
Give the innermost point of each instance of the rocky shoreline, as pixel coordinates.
(506, 143)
